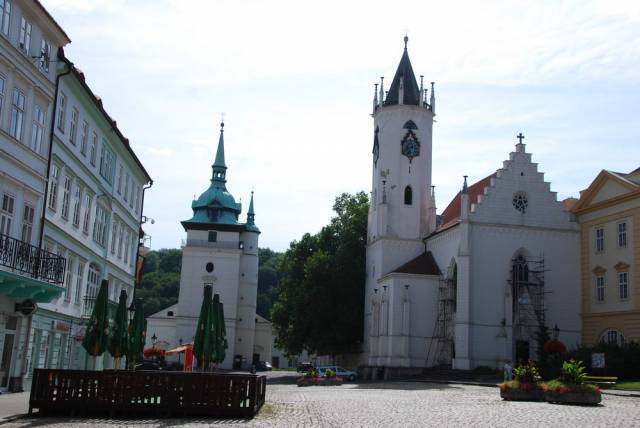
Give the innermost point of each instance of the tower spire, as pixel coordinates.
(219, 167)
(251, 215)
(404, 87)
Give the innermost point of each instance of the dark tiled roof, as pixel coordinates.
(635, 171)
(424, 264)
(411, 94)
(452, 213)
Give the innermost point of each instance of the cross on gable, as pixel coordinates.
(520, 137)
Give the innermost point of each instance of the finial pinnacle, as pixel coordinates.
(406, 39)
(221, 122)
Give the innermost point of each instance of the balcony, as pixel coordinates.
(31, 273)
(28, 259)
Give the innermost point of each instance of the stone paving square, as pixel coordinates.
(391, 404)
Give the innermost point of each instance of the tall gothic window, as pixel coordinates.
(408, 195)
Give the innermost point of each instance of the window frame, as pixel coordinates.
(600, 288)
(18, 104)
(28, 215)
(66, 196)
(24, 39)
(52, 204)
(622, 234)
(37, 129)
(623, 285)
(7, 213)
(599, 235)
(73, 126)
(5, 17)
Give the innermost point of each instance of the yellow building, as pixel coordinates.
(609, 215)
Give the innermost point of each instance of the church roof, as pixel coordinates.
(404, 75)
(451, 214)
(424, 264)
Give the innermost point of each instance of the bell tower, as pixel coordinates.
(402, 209)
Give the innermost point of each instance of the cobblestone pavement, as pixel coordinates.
(394, 404)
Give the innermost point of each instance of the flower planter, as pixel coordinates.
(585, 398)
(511, 394)
(319, 381)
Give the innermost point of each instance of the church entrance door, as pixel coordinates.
(522, 352)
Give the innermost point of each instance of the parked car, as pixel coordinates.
(304, 367)
(262, 366)
(340, 372)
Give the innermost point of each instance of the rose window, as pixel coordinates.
(520, 202)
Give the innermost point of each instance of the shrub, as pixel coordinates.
(527, 374)
(329, 373)
(310, 374)
(573, 372)
(564, 388)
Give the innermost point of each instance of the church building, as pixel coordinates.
(474, 285)
(222, 252)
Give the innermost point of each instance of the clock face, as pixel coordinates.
(410, 146)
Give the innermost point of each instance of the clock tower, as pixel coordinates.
(402, 210)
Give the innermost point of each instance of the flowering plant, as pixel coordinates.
(554, 347)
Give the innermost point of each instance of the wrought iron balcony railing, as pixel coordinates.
(30, 260)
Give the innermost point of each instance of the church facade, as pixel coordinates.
(475, 285)
(223, 252)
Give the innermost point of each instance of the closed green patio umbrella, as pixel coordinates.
(203, 343)
(96, 336)
(119, 341)
(137, 333)
(221, 331)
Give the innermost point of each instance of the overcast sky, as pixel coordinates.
(295, 81)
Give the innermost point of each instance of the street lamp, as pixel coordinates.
(556, 332)
(154, 339)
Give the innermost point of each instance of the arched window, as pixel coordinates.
(612, 337)
(408, 195)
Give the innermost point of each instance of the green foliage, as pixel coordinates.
(329, 373)
(321, 290)
(573, 372)
(268, 280)
(310, 374)
(558, 385)
(527, 374)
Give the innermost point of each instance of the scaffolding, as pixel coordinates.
(528, 304)
(442, 342)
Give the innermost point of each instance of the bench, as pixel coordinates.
(602, 380)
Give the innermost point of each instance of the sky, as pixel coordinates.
(295, 80)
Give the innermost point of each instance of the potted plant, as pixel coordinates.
(571, 386)
(525, 386)
(308, 378)
(330, 378)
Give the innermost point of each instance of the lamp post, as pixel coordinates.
(556, 332)
(154, 340)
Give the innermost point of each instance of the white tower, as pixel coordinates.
(402, 209)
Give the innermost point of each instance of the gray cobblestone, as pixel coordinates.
(393, 404)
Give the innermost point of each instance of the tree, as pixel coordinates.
(320, 303)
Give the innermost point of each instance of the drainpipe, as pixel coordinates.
(140, 242)
(46, 181)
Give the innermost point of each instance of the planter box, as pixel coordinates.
(334, 381)
(510, 394)
(586, 398)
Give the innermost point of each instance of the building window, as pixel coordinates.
(126, 248)
(134, 248)
(73, 128)
(2, 83)
(600, 288)
(84, 137)
(45, 55)
(94, 148)
(622, 234)
(100, 225)
(62, 107)
(213, 236)
(599, 239)
(25, 35)
(408, 195)
(114, 234)
(107, 162)
(68, 283)
(6, 214)
(126, 188)
(17, 113)
(132, 194)
(137, 202)
(27, 223)
(79, 275)
(87, 213)
(120, 242)
(5, 15)
(623, 283)
(612, 337)
(38, 129)
(53, 187)
(76, 206)
(120, 177)
(66, 197)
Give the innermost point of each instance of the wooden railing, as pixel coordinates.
(158, 393)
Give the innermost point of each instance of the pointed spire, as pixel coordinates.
(375, 98)
(381, 90)
(465, 188)
(404, 87)
(251, 215)
(420, 100)
(432, 101)
(219, 167)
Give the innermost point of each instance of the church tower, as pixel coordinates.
(402, 208)
(223, 252)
